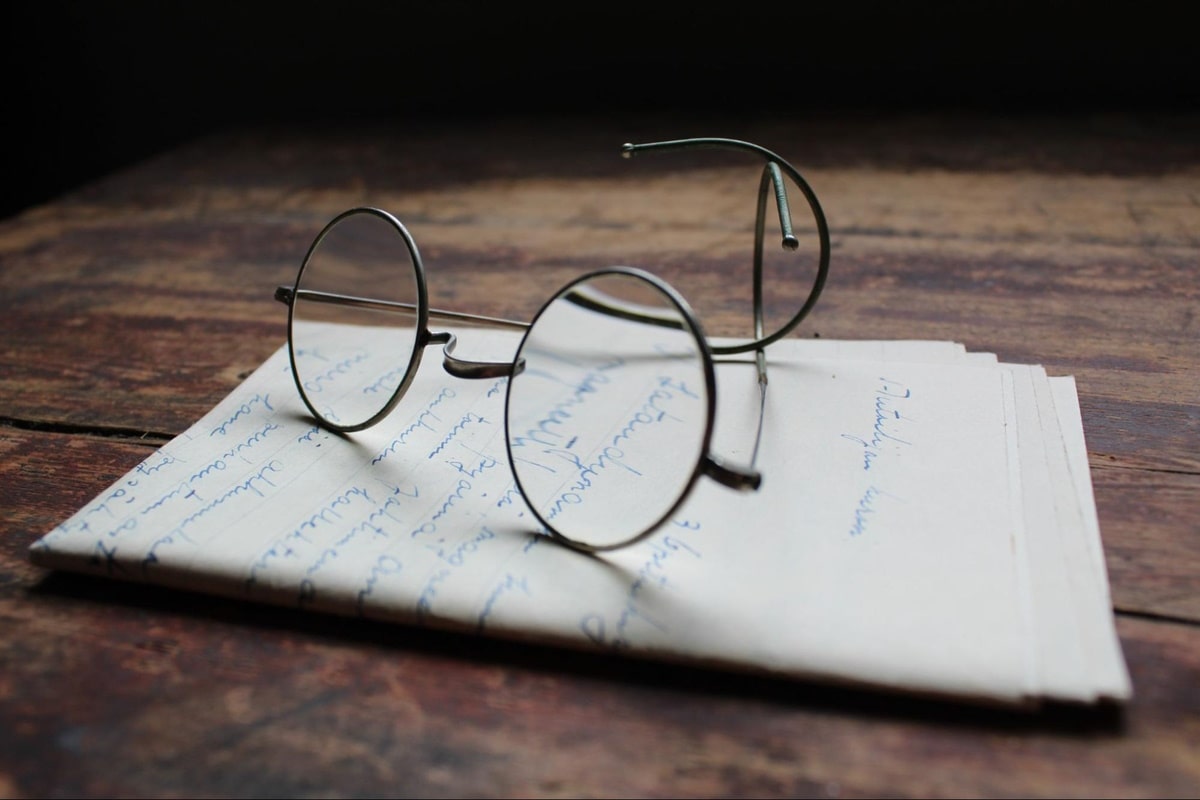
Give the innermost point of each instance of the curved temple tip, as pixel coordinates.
(790, 242)
(628, 149)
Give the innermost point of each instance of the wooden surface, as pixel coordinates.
(134, 304)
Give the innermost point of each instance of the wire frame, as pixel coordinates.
(680, 316)
(420, 308)
(771, 185)
(684, 320)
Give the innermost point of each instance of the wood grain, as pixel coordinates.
(194, 694)
(134, 304)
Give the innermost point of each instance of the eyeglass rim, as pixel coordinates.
(693, 327)
(421, 325)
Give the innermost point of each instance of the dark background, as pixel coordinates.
(93, 86)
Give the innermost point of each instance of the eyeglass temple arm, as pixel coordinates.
(581, 297)
(712, 466)
(287, 295)
(771, 172)
(744, 478)
(772, 177)
(733, 477)
(455, 366)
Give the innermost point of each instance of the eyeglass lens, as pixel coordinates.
(610, 400)
(608, 416)
(352, 359)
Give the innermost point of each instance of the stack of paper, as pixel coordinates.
(925, 523)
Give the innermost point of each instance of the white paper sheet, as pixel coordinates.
(925, 523)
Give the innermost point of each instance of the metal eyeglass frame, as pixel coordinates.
(708, 464)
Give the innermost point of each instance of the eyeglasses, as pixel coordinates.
(610, 398)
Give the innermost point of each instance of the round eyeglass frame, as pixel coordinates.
(422, 338)
(706, 464)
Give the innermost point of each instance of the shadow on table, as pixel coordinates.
(203, 614)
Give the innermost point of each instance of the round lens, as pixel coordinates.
(609, 408)
(355, 319)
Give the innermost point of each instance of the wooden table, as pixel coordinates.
(134, 304)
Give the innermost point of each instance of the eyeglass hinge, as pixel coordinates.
(733, 477)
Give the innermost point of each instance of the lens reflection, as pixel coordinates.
(352, 359)
(609, 414)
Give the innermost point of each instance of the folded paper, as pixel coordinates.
(925, 523)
